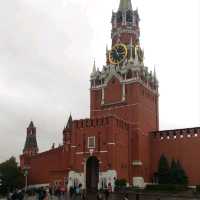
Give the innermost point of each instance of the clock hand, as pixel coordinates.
(116, 52)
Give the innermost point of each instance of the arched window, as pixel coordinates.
(129, 16)
(129, 74)
(119, 17)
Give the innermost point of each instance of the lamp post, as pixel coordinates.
(25, 169)
(0, 179)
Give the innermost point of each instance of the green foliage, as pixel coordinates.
(120, 183)
(166, 187)
(173, 175)
(177, 174)
(181, 175)
(198, 188)
(163, 171)
(11, 176)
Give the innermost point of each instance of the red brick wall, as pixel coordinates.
(111, 150)
(184, 149)
(48, 166)
(113, 91)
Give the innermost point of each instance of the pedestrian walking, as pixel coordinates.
(99, 196)
(83, 195)
(71, 192)
(106, 193)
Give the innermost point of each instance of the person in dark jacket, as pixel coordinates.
(106, 193)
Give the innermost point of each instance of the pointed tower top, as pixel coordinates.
(31, 147)
(31, 124)
(94, 70)
(154, 72)
(69, 123)
(125, 5)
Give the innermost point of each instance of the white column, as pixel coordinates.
(102, 96)
(123, 92)
(84, 174)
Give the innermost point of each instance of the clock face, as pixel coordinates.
(117, 54)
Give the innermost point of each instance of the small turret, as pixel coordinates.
(69, 123)
(31, 147)
(68, 131)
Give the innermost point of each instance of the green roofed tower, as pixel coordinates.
(31, 147)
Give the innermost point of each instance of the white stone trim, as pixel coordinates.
(111, 143)
(91, 147)
(38, 185)
(105, 178)
(79, 153)
(75, 177)
(73, 146)
(118, 107)
(137, 163)
(105, 151)
(138, 182)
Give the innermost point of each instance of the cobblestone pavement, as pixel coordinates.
(120, 197)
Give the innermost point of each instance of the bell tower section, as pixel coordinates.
(125, 87)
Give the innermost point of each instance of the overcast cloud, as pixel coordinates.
(47, 48)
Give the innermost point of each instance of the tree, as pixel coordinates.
(181, 174)
(163, 171)
(173, 172)
(120, 183)
(11, 175)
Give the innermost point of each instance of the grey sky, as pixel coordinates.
(47, 48)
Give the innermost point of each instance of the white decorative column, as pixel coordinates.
(138, 181)
(123, 92)
(103, 95)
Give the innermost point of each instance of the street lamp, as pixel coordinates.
(25, 169)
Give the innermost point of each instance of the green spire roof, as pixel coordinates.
(125, 5)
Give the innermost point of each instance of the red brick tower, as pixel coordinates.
(30, 147)
(126, 89)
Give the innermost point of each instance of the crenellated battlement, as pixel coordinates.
(100, 122)
(176, 134)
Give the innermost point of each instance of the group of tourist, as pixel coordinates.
(16, 195)
(47, 193)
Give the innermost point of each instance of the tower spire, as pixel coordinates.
(94, 67)
(69, 123)
(31, 147)
(125, 5)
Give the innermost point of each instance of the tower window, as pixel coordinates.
(119, 17)
(129, 16)
(91, 142)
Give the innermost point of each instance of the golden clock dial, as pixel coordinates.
(117, 54)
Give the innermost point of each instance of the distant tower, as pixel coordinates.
(67, 132)
(31, 147)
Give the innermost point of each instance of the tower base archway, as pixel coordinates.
(92, 173)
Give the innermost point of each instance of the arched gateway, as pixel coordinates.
(92, 173)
